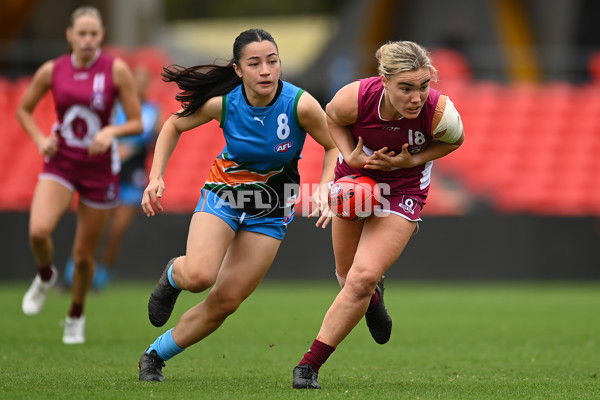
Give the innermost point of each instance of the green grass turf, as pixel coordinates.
(450, 341)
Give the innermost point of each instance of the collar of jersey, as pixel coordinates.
(279, 89)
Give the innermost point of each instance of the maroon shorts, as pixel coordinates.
(396, 196)
(408, 206)
(92, 177)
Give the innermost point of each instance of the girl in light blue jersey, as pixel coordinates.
(248, 198)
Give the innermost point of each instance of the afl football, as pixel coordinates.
(354, 197)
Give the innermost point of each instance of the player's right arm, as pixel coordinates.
(342, 111)
(39, 86)
(167, 140)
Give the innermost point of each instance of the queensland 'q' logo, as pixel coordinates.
(79, 126)
(408, 204)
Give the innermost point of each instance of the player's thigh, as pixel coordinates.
(209, 237)
(382, 241)
(345, 236)
(248, 259)
(51, 200)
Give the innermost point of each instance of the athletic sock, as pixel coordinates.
(374, 301)
(76, 310)
(171, 280)
(316, 356)
(45, 272)
(165, 346)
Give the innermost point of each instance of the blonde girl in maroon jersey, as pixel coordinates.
(389, 127)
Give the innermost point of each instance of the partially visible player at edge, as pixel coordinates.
(133, 152)
(80, 155)
(247, 201)
(388, 127)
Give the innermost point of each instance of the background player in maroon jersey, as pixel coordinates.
(80, 155)
(133, 151)
(388, 127)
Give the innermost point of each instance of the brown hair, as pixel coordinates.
(202, 82)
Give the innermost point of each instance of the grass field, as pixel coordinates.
(450, 341)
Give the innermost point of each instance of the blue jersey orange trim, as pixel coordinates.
(263, 146)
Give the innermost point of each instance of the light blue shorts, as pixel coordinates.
(130, 195)
(237, 219)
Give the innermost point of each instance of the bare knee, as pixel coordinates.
(222, 305)
(39, 236)
(362, 282)
(198, 282)
(197, 279)
(83, 260)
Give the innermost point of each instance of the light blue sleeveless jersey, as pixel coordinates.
(263, 146)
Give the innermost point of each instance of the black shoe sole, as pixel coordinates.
(155, 376)
(302, 381)
(163, 298)
(379, 321)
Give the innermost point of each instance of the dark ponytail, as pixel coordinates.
(200, 83)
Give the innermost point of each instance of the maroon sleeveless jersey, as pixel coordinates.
(84, 100)
(377, 133)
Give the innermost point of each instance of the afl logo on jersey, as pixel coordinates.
(335, 189)
(283, 147)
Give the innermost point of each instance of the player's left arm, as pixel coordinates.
(128, 96)
(448, 135)
(312, 119)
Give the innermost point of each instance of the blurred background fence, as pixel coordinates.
(520, 199)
